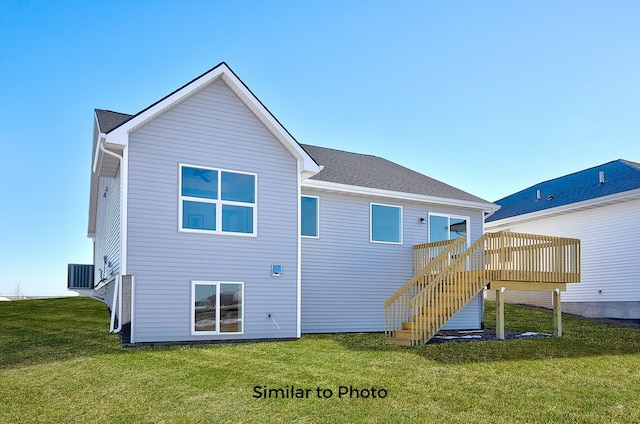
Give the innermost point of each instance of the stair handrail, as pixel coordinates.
(430, 314)
(545, 258)
(397, 307)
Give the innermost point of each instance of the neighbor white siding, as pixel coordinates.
(610, 257)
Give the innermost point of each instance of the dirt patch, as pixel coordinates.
(487, 334)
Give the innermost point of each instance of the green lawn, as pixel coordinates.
(59, 364)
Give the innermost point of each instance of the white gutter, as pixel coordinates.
(367, 191)
(299, 261)
(484, 222)
(117, 300)
(108, 152)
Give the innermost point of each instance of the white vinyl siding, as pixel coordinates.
(107, 242)
(165, 260)
(346, 279)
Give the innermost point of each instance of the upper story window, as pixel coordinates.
(386, 223)
(217, 201)
(309, 216)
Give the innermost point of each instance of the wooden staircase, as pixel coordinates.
(450, 276)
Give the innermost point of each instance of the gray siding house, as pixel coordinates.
(212, 223)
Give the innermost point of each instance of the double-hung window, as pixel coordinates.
(217, 307)
(217, 201)
(309, 216)
(386, 223)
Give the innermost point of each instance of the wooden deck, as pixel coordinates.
(450, 276)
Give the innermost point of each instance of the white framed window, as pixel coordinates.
(385, 223)
(310, 216)
(217, 307)
(217, 201)
(447, 227)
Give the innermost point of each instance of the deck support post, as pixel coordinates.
(557, 314)
(500, 313)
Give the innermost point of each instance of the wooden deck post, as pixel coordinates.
(500, 313)
(557, 314)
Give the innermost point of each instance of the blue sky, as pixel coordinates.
(488, 96)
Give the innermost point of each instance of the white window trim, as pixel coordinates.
(371, 240)
(193, 308)
(317, 236)
(449, 216)
(218, 202)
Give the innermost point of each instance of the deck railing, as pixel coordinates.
(502, 256)
(434, 258)
(424, 253)
(532, 258)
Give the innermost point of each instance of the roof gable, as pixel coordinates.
(116, 127)
(619, 176)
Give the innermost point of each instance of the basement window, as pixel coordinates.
(217, 307)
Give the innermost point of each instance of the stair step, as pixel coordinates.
(408, 326)
(402, 334)
(399, 342)
(440, 310)
(423, 318)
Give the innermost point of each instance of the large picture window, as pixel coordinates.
(386, 223)
(217, 307)
(309, 216)
(218, 201)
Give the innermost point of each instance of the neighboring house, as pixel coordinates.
(211, 222)
(601, 207)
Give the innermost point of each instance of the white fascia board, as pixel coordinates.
(570, 208)
(120, 135)
(366, 191)
(93, 188)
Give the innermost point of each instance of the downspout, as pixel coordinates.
(117, 300)
(117, 292)
(484, 217)
(299, 254)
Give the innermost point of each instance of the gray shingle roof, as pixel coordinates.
(108, 120)
(620, 176)
(375, 172)
(349, 168)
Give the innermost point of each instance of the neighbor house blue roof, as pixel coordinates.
(619, 176)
